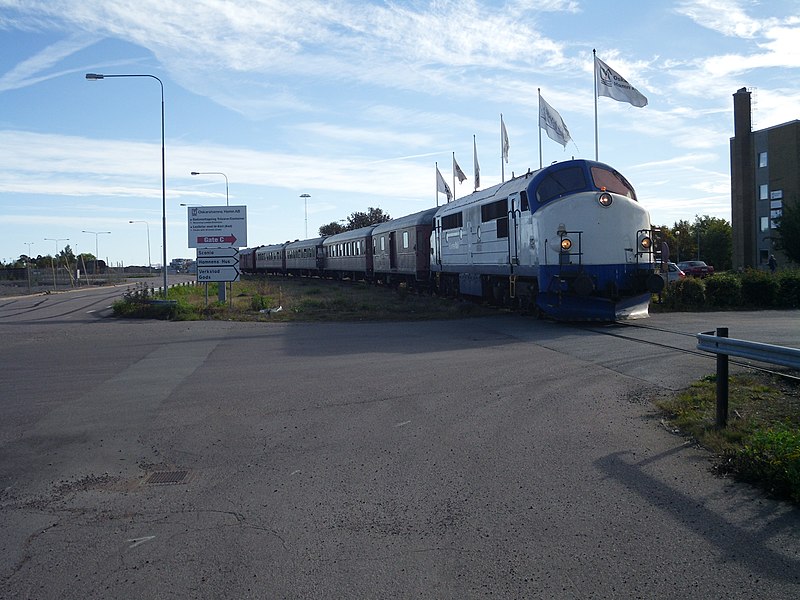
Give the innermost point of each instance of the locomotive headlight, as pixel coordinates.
(566, 243)
(646, 243)
(605, 199)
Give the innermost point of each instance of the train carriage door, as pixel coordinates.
(392, 250)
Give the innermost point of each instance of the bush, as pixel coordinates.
(759, 288)
(772, 457)
(686, 293)
(723, 289)
(789, 289)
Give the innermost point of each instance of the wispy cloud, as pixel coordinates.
(37, 68)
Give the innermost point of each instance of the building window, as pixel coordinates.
(763, 193)
(764, 224)
(762, 159)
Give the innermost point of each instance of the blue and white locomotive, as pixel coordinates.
(569, 240)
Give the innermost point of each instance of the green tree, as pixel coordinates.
(332, 229)
(356, 220)
(716, 241)
(788, 227)
(373, 216)
(685, 242)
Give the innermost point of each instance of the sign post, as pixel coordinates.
(217, 232)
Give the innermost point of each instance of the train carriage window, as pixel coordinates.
(561, 182)
(383, 243)
(613, 182)
(405, 240)
(453, 221)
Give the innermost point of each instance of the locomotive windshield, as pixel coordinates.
(612, 181)
(561, 182)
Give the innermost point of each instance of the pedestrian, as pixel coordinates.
(773, 264)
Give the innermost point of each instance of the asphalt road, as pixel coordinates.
(498, 457)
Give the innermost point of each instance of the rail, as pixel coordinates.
(720, 344)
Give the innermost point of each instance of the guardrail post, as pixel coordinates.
(722, 383)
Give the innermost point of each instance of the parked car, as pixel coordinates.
(696, 268)
(674, 273)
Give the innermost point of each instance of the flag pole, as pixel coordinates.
(454, 175)
(594, 78)
(539, 90)
(475, 162)
(436, 181)
(502, 148)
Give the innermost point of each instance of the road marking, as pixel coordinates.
(139, 541)
(403, 423)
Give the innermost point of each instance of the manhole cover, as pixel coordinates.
(166, 477)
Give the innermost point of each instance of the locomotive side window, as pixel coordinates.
(560, 183)
(497, 211)
(613, 182)
(405, 240)
(523, 201)
(453, 221)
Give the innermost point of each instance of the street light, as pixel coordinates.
(305, 198)
(215, 173)
(96, 251)
(149, 262)
(52, 262)
(98, 76)
(28, 264)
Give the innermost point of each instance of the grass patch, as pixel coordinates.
(761, 443)
(295, 299)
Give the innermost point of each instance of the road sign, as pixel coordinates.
(217, 226)
(216, 252)
(217, 273)
(222, 261)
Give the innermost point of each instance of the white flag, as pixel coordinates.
(552, 123)
(441, 185)
(477, 168)
(504, 137)
(457, 170)
(612, 84)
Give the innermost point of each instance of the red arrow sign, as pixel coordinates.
(216, 239)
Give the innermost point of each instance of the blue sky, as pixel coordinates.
(354, 101)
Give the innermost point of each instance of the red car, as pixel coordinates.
(696, 268)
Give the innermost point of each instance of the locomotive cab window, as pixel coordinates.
(613, 182)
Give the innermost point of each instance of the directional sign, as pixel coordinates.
(216, 252)
(204, 240)
(217, 273)
(222, 261)
(217, 226)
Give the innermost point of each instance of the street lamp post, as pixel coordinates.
(96, 250)
(53, 262)
(28, 264)
(216, 173)
(149, 262)
(98, 76)
(305, 198)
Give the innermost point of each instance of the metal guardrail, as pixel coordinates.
(768, 353)
(720, 344)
